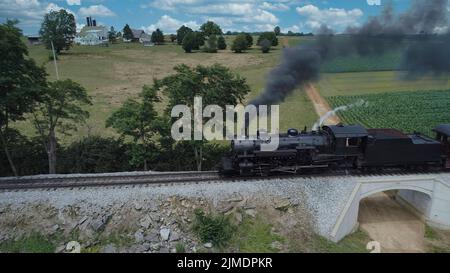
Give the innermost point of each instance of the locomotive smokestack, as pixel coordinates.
(87, 22)
(94, 23)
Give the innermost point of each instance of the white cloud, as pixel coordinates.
(96, 10)
(294, 28)
(332, 17)
(274, 6)
(30, 13)
(73, 2)
(170, 25)
(169, 4)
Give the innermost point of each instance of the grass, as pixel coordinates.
(437, 241)
(115, 73)
(416, 111)
(354, 243)
(34, 243)
(255, 236)
(350, 84)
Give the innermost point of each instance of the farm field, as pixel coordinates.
(411, 111)
(357, 83)
(115, 73)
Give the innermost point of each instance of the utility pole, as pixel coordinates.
(54, 60)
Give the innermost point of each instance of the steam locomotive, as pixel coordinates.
(339, 147)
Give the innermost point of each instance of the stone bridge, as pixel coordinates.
(427, 195)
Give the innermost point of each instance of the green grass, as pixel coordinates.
(255, 236)
(34, 243)
(418, 111)
(346, 84)
(354, 243)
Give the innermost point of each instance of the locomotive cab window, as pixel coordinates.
(353, 142)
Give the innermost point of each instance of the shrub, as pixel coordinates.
(265, 46)
(215, 229)
(211, 44)
(240, 43)
(269, 36)
(221, 44)
(249, 40)
(189, 42)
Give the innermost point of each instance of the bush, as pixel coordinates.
(265, 46)
(271, 36)
(221, 44)
(249, 40)
(189, 42)
(240, 43)
(215, 229)
(211, 44)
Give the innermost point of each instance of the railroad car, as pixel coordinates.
(339, 147)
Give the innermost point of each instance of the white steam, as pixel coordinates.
(321, 121)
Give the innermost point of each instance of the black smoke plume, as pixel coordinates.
(423, 32)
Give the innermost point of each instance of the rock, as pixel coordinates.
(98, 224)
(164, 250)
(145, 222)
(208, 245)
(165, 234)
(146, 246)
(137, 206)
(110, 248)
(251, 212)
(276, 245)
(194, 249)
(60, 249)
(152, 237)
(53, 229)
(225, 208)
(282, 205)
(238, 217)
(174, 237)
(139, 236)
(82, 220)
(155, 247)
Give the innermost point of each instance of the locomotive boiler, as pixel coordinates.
(337, 147)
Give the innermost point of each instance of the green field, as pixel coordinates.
(412, 111)
(115, 73)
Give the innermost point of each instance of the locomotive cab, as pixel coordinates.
(347, 140)
(443, 136)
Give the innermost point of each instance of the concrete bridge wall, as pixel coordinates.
(429, 195)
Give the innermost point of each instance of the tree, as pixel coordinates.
(189, 42)
(210, 28)
(60, 28)
(139, 120)
(221, 44)
(227, 88)
(181, 33)
(249, 38)
(173, 38)
(265, 45)
(240, 43)
(60, 109)
(127, 33)
(21, 82)
(277, 30)
(211, 44)
(269, 36)
(199, 40)
(157, 37)
(112, 35)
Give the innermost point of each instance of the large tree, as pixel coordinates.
(139, 120)
(61, 109)
(221, 44)
(189, 42)
(181, 33)
(210, 28)
(157, 37)
(21, 82)
(127, 33)
(60, 28)
(217, 85)
(277, 30)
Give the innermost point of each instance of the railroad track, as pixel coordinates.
(168, 178)
(102, 180)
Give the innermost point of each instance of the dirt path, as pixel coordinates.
(320, 104)
(396, 228)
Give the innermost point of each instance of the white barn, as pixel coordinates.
(92, 35)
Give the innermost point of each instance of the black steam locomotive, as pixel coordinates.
(339, 147)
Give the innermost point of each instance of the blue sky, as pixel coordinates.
(234, 15)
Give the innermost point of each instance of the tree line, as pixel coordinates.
(55, 108)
